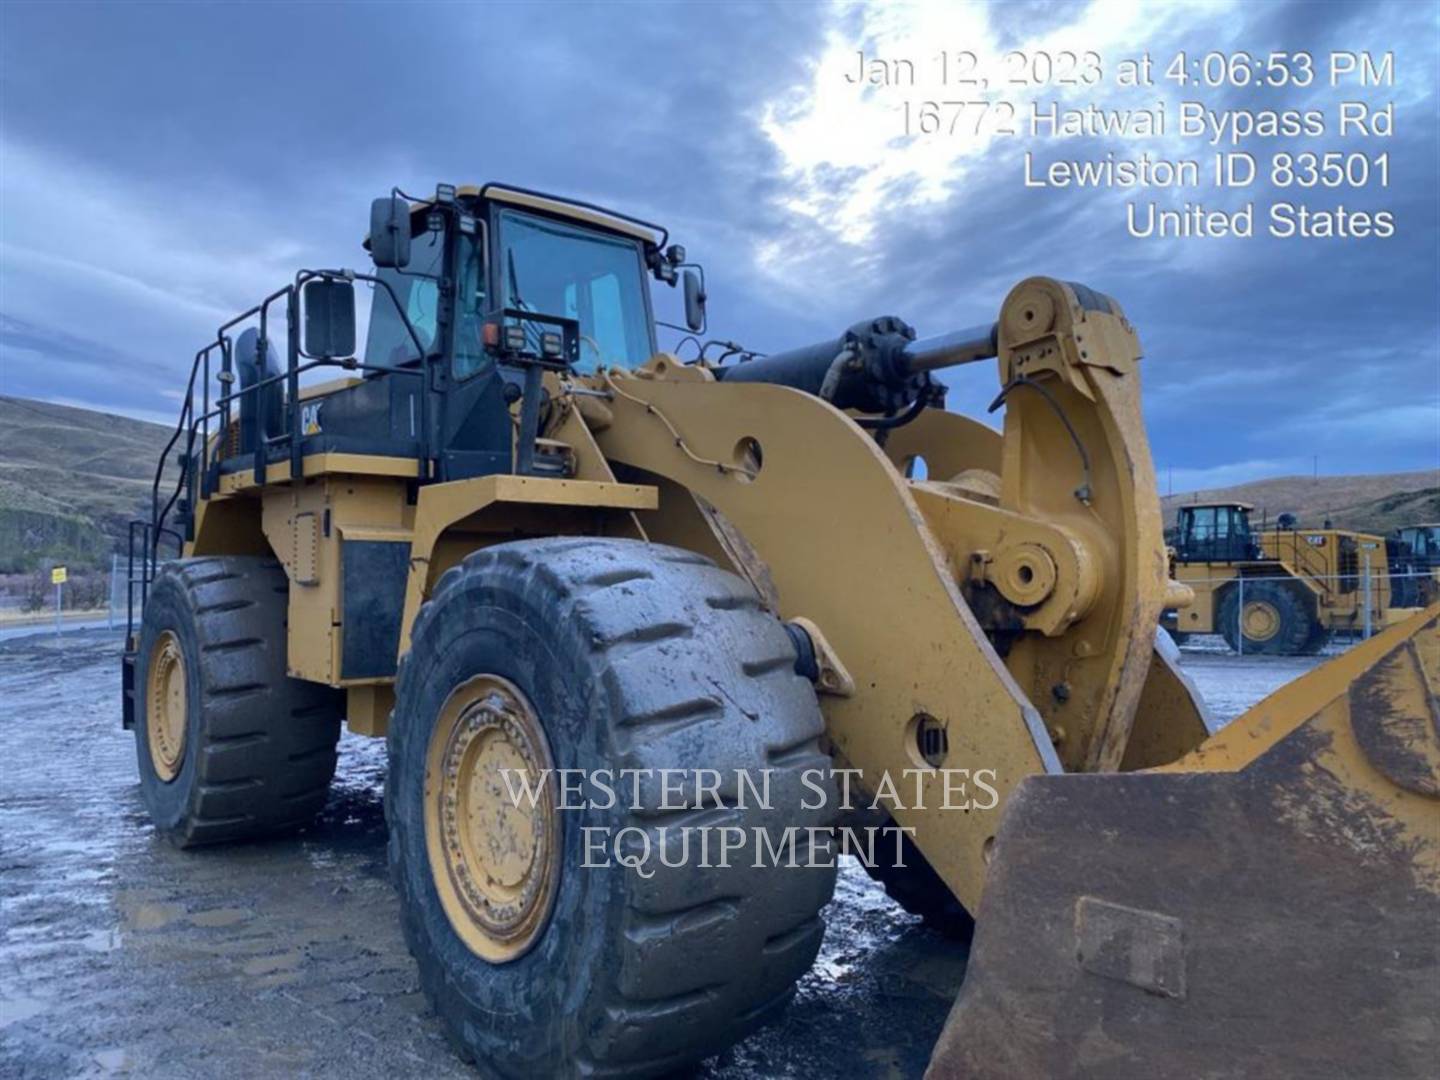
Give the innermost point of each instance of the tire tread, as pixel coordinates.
(635, 607)
(265, 743)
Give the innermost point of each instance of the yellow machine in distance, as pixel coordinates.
(1414, 555)
(517, 537)
(1279, 591)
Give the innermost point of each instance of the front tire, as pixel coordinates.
(229, 747)
(628, 656)
(1276, 620)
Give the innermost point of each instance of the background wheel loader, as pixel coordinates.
(515, 538)
(1413, 552)
(1282, 591)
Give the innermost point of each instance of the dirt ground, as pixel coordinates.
(120, 955)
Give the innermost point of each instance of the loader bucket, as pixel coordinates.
(1269, 905)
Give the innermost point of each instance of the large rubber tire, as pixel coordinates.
(633, 656)
(918, 889)
(259, 747)
(1319, 638)
(1295, 627)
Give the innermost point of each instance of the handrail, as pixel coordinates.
(190, 424)
(1308, 562)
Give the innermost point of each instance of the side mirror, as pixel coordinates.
(329, 318)
(694, 301)
(390, 233)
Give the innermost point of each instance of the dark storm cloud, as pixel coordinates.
(165, 165)
(246, 140)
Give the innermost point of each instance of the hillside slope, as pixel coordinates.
(1375, 502)
(70, 481)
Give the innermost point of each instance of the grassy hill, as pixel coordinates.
(70, 481)
(1376, 503)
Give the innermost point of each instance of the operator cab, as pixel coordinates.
(1421, 544)
(483, 289)
(504, 250)
(1214, 532)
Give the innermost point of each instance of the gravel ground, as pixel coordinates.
(120, 955)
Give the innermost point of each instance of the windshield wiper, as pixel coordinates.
(532, 335)
(514, 283)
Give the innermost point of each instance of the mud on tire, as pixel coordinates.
(634, 656)
(258, 752)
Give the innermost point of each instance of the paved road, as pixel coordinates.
(119, 955)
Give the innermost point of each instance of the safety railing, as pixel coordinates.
(197, 465)
(138, 577)
(1305, 558)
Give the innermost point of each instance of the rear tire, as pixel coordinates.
(629, 656)
(1275, 613)
(257, 751)
(1316, 642)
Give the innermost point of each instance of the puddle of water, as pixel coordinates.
(13, 1010)
(268, 965)
(220, 917)
(111, 1062)
(102, 940)
(154, 916)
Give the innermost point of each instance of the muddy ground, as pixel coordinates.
(120, 955)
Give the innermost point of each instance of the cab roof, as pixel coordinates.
(556, 206)
(535, 200)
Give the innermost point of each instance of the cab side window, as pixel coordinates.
(417, 291)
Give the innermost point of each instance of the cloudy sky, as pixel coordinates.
(162, 167)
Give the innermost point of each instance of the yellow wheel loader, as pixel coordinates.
(1277, 592)
(621, 615)
(1413, 552)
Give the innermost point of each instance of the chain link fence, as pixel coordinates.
(1350, 608)
(88, 597)
(1289, 614)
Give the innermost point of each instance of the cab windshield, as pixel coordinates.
(555, 268)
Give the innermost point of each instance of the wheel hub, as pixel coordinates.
(1261, 621)
(166, 706)
(494, 850)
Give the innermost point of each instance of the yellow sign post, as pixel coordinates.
(57, 578)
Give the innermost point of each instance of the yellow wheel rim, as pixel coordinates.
(1261, 621)
(494, 857)
(166, 706)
